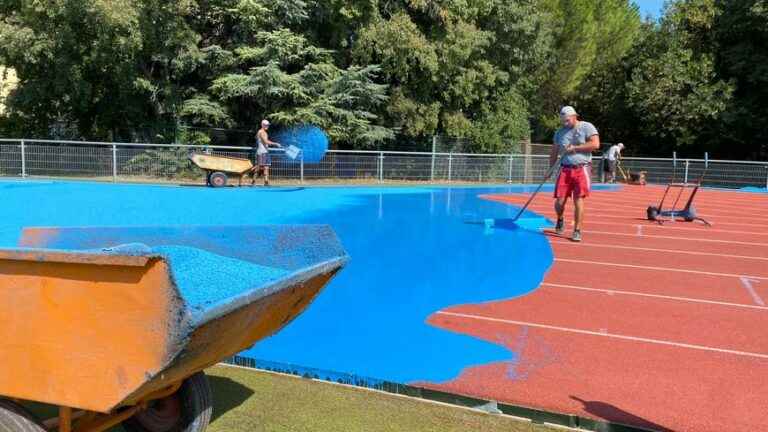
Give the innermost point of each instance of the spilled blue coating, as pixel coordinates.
(532, 223)
(312, 141)
(412, 254)
(754, 189)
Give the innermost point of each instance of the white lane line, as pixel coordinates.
(674, 251)
(550, 213)
(668, 269)
(658, 296)
(717, 200)
(700, 229)
(679, 238)
(639, 230)
(700, 205)
(610, 335)
(640, 211)
(747, 281)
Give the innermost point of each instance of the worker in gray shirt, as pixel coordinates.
(574, 142)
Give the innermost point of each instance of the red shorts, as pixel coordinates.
(574, 182)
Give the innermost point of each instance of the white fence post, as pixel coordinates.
(450, 165)
(509, 173)
(301, 168)
(114, 162)
(686, 170)
(381, 167)
(432, 169)
(23, 160)
(674, 167)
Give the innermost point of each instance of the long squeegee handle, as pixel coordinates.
(536, 192)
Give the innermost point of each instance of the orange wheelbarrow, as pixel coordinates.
(219, 168)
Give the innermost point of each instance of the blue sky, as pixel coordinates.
(652, 7)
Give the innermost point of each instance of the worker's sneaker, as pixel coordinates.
(576, 235)
(560, 227)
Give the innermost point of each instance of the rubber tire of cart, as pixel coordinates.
(652, 213)
(16, 418)
(217, 179)
(208, 178)
(194, 401)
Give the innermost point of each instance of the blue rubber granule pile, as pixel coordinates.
(206, 279)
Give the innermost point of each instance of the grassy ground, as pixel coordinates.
(259, 401)
(255, 401)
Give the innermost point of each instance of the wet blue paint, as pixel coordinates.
(412, 255)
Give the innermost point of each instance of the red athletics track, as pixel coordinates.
(661, 327)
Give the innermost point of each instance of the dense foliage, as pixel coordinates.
(391, 73)
(694, 81)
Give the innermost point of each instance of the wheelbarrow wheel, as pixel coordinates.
(15, 418)
(218, 179)
(187, 410)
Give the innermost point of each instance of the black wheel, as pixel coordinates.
(187, 410)
(217, 179)
(15, 418)
(207, 178)
(652, 213)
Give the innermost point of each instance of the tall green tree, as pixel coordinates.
(591, 40)
(259, 64)
(74, 60)
(675, 91)
(741, 33)
(104, 68)
(453, 67)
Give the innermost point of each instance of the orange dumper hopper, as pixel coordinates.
(114, 325)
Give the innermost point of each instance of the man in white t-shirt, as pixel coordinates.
(612, 157)
(263, 160)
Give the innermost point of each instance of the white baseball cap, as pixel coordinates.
(265, 122)
(567, 111)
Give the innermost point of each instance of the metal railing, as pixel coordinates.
(169, 162)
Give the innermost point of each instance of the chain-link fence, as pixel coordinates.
(170, 162)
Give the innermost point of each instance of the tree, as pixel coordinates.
(444, 71)
(74, 62)
(674, 91)
(678, 96)
(271, 70)
(741, 35)
(104, 68)
(591, 38)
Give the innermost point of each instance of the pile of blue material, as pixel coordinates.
(215, 269)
